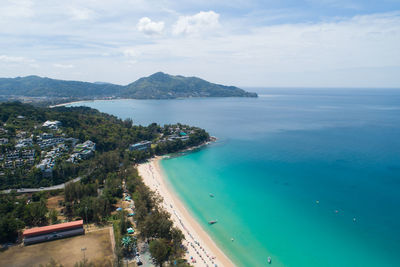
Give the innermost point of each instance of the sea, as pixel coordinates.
(308, 177)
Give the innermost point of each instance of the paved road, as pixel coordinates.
(32, 190)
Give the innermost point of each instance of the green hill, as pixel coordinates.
(156, 86)
(38, 86)
(161, 85)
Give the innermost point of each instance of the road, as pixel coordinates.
(32, 190)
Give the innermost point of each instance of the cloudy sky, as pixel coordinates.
(301, 43)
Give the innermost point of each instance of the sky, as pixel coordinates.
(247, 43)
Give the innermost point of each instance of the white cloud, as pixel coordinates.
(81, 13)
(12, 59)
(200, 22)
(304, 54)
(131, 52)
(256, 46)
(63, 66)
(132, 55)
(18, 62)
(149, 27)
(17, 9)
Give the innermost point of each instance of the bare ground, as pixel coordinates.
(65, 251)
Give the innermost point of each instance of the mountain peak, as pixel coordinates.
(159, 73)
(159, 76)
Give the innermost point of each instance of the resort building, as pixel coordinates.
(52, 124)
(13, 155)
(3, 141)
(19, 163)
(26, 154)
(50, 142)
(141, 146)
(83, 151)
(46, 135)
(9, 164)
(52, 232)
(21, 143)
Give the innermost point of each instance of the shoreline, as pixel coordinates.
(199, 244)
(68, 103)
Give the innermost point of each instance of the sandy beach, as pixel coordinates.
(202, 251)
(68, 103)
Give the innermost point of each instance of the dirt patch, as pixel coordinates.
(65, 251)
(53, 204)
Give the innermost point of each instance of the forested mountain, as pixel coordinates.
(156, 86)
(162, 85)
(46, 87)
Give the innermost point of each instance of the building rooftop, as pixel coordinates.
(52, 228)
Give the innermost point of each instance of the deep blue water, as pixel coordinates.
(310, 177)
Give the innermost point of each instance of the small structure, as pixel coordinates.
(141, 146)
(3, 141)
(52, 124)
(21, 143)
(46, 135)
(52, 232)
(83, 151)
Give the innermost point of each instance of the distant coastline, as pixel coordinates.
(69, 103)
(43, 90)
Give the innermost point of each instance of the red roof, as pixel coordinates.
(52, 228)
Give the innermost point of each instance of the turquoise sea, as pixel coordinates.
(310, 177)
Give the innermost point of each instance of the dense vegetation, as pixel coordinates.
(107, 131)
(161, 85)
(105, 178)
(46, 87)
(16, 213)
(156, 86)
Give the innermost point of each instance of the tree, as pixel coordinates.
(68, 211)
(9, 229)
(159, 251)
(177, 236)
(157, 225)
(35, 213)
(127, 244)
(53, 216)
(123, 222)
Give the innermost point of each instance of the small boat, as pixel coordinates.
(269, 260)
(212, 222)
(211, 195)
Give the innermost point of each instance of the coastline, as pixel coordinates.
(68, 103)
(200, 245)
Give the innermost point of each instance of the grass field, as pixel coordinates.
(65, 251)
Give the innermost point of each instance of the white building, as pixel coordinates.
(52, 124)
(3, 141)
